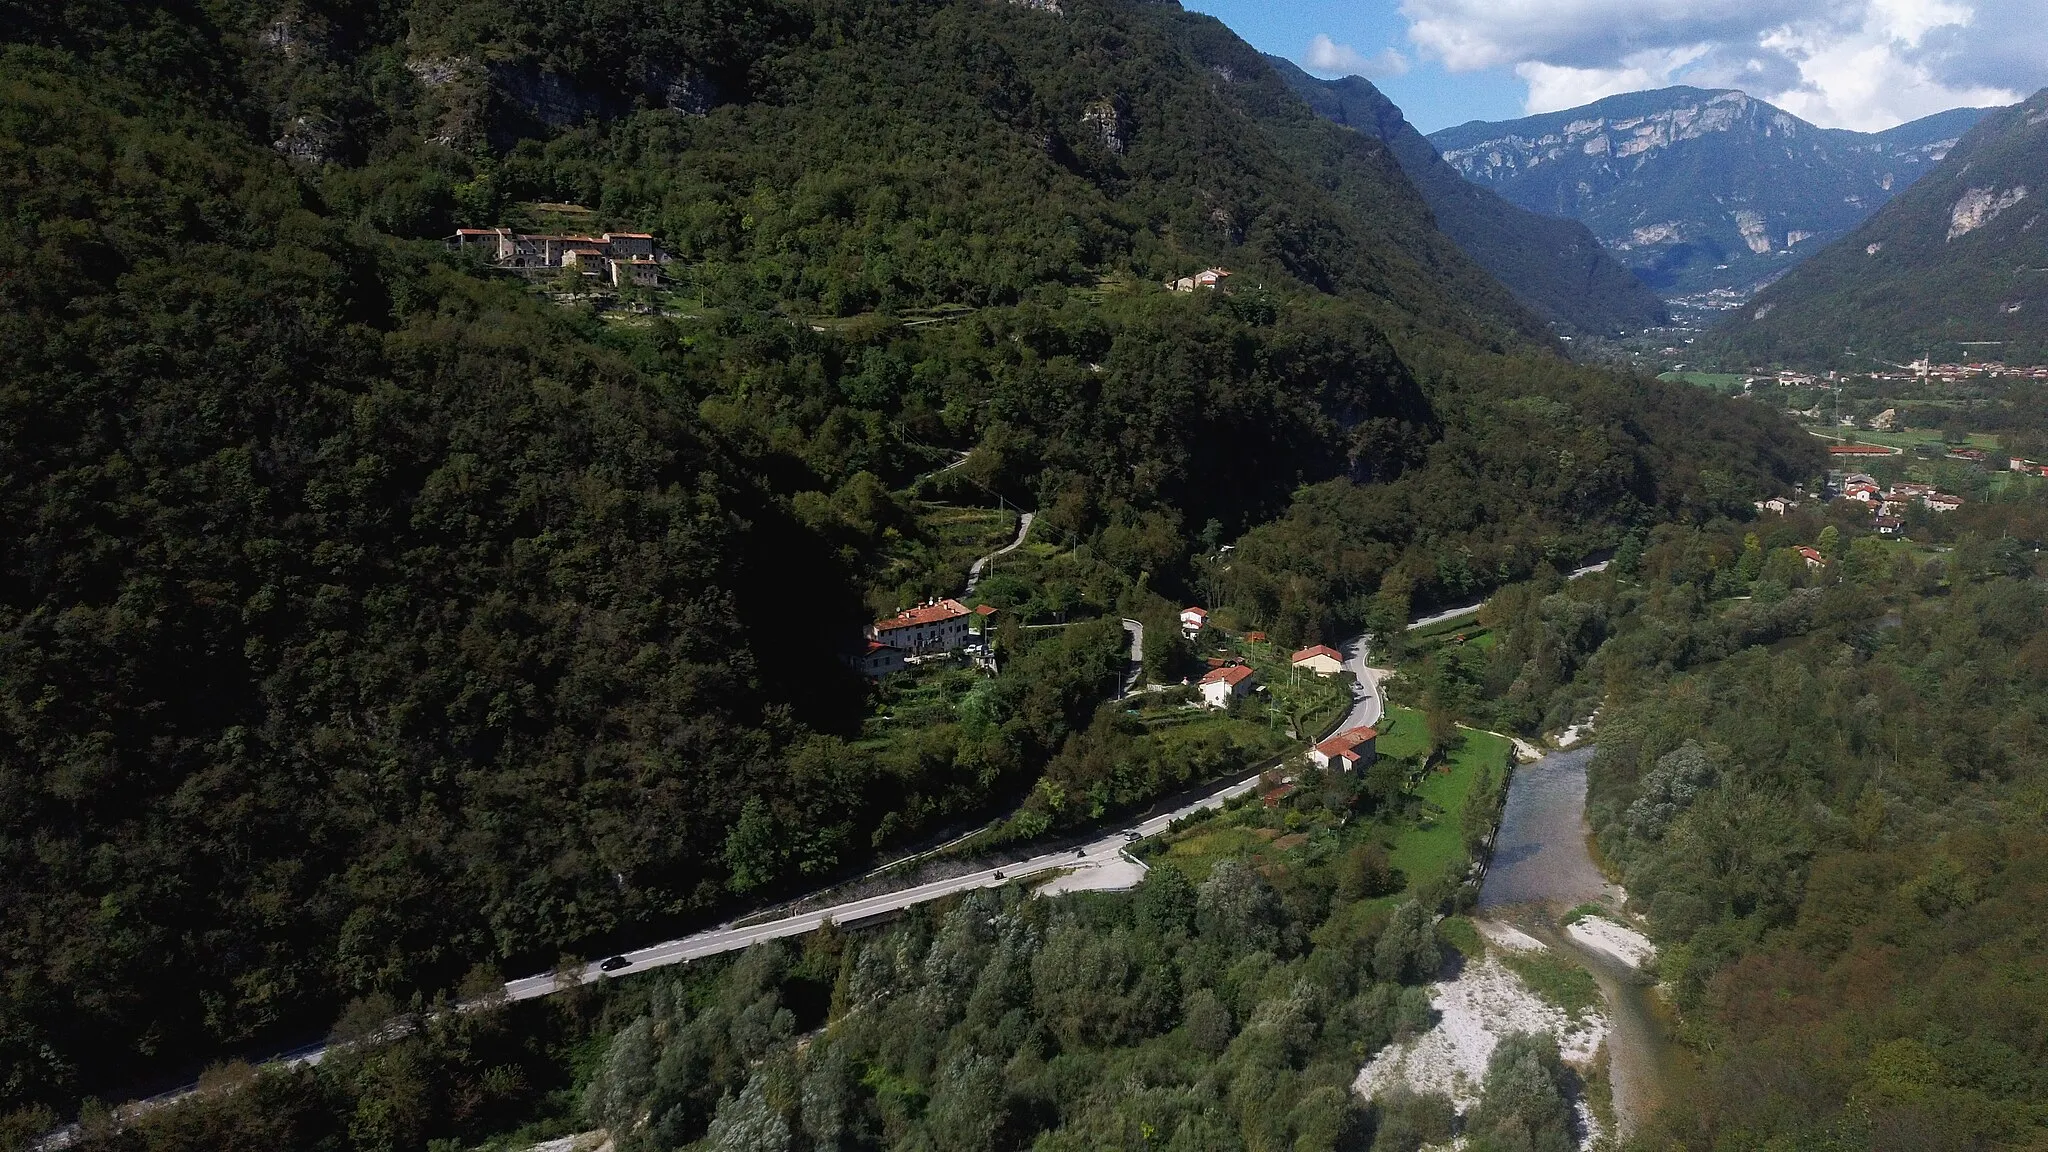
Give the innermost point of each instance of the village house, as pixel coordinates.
(1222, 685)
(1888, 525)
(1776, 504)
(616, 258)
(1192, 620)
(1206, 278)
(1812, 557)
(1321, 660)
(1941, 502)
(1350, 751)
(879, 660)
(934, 626)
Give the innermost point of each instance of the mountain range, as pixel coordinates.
(1698, 190)
(1954, 267)
(1554, 266)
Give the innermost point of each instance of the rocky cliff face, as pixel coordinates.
(1955, 267)
(1699, 190)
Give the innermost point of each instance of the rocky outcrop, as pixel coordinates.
(309, 138)
(1977, 207)
(1109, 123)
(683, 88)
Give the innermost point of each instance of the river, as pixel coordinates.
(1542, 869)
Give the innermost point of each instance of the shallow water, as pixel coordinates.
(1541, 869)
(1540, 854)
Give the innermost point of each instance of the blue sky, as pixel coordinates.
(1431, 97)
(1861, 64)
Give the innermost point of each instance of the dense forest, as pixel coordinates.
(1822, 785)
(1839, 838)
(367, 618)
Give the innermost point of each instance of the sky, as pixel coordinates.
(1860, 64)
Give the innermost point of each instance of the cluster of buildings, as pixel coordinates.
(617, 259)
(941, 626)
(1206, 278)
(1887, 506)
(933, 628)
(1925, 369)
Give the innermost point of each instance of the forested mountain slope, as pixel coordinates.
(1698, 189)
(367, 618)
(1956, 258)
(1552, 265)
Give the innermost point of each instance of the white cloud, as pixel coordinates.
(1327, 56)
(1552, 87)
(1862, 64)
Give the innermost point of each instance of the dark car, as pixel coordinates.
(615, 963)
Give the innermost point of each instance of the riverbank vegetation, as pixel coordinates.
(1821, 782)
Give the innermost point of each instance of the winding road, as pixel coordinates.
(1023, 529)
(1469, 609)
(1101, 863)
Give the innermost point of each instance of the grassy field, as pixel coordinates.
(1908, 439)
(1421, 847)
(1436, 841)
(1200, 849)
(1402, 732)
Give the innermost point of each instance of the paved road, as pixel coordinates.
(1104, 855)
(1137, 666)
(1367, 706)
(1469, 609)
(1023, 530)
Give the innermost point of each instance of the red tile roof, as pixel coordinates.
(1196, 611)
(922, 615)
(1318, 650)
(983, 610)
(1343, 742)
(1234, 674)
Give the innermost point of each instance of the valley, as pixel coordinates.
(757, 575)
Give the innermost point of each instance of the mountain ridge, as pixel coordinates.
(1698, 190)
(1955, 258)
(1555, 266)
